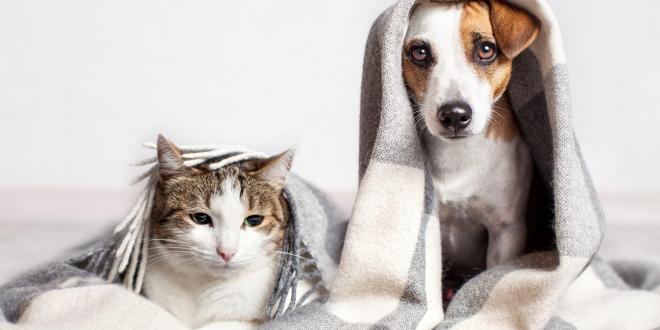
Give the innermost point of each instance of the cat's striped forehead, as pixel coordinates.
(200, 187)
(229, 193)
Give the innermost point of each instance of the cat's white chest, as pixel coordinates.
(198, 299)
(243, 297)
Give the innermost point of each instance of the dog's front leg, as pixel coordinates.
(506, 241)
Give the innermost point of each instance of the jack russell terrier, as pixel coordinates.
(457, 59)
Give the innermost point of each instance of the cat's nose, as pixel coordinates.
(225, 255)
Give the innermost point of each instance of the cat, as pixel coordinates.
(216, 238)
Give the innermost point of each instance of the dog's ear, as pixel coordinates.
(515, 29)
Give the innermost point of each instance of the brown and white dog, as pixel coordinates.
(457, 60)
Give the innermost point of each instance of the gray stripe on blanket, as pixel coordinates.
(336, 230)
(639, 275)
(472, 296)
(595, 202)
(407, 152)
(314, 237)
(607, 275)
(371, 93)
(413, 303)
(573, 198)
(526, 81)
(16, 295)
(535, 124)
(557, 323)
(530, 105)
(382, 135)
(312, 315)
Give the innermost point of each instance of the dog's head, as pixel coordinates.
(457, 60)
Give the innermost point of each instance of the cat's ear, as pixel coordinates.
(170, 162)
(273, 170)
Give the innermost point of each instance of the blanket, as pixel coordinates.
(389, 275)
(100, 285)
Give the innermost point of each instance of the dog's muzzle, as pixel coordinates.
(455, 117)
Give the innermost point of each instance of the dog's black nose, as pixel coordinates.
(455, 116)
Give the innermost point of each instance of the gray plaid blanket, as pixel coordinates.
(95, 288)
(389, 275)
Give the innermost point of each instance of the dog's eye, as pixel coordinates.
(420, 53)
(201, 218)
(486, 51)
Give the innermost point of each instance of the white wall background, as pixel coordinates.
(83, 83)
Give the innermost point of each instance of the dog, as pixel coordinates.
(457, 62)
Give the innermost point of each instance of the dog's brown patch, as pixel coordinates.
(476, 27)
(415, 76)
(503, 124)
(497, 22)
(511, 29)
(514, 28)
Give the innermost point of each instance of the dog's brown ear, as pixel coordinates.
(515, 29)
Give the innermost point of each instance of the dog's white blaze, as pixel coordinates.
(476, 173)
(452, 77)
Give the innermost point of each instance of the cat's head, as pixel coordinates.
(230, 218)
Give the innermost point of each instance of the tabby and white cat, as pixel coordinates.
(216, 238)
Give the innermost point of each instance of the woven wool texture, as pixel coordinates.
(389, 272)
(86, 280)
(389, 276)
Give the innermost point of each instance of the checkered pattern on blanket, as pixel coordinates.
(389, 275)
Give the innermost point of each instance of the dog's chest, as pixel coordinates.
(472, 178)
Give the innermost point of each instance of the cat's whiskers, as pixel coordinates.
(183, 254)
(159, 256)
(175, 248)
(174, 244)
(169, 240)
(171, 255)
(178, 260)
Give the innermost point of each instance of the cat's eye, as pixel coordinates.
(253, 220)
(201, 218)
(486, 52)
